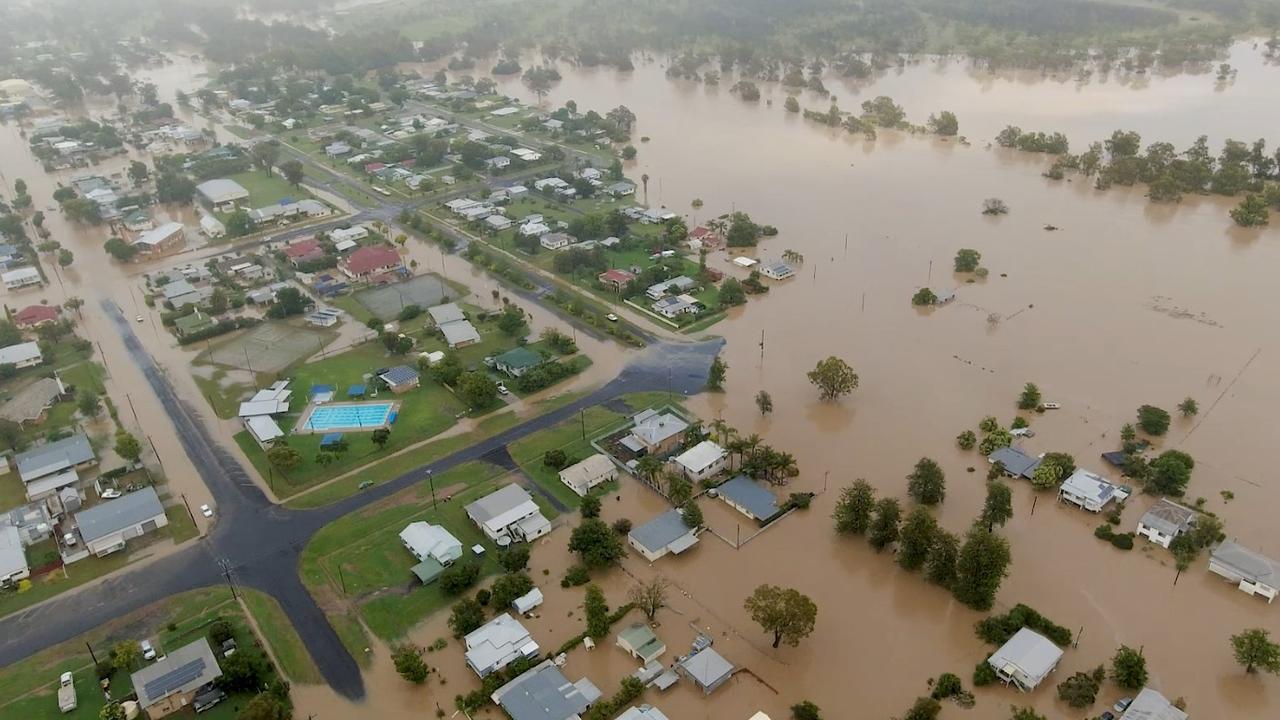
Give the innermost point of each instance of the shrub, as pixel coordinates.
(983, 674)
(997, 629)
(966, 440)
(575, 576)
(622, 526)
(219, 632)
(483, 596)
(104, 670)
(948, 685)
(555, 459)
(805, 710)
(457, 578)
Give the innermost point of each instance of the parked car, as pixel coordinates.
(502, 389)
(1107, 716)
(111, 494)
(611, 317)
(69, 539)
(206, 511)
(1122, 704)
(148, 652)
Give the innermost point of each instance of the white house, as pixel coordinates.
(20, 278)
(1087, 490)
(556, 241)
(1165, 521)
(22, 355)
(509, 512)
(1252, 571)
(13, 558)
(702, 461)
(1151, 705)
(212, 227)
(534, 229)
(1026, 659)
(497, 644)
(352, 233)
(425, 540)
(675, 306)
(777, 270)
(581, 477)
(105, 528)
(666, 533)
(222, 194)
(674, 285)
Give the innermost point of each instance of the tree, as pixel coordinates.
(128, 447)
(119, 249)
(925, 708)
(1153, 420)
(1045, 477)
(467, 615)
(945, 123)
(1189, 407)
(883, 531)
(1030, 397)
(917, 535)
(283, 458)
(927, 484)
(805, 710)
(650, 596)
(292, 172)
(1254, 650)
(265, 154)
(380, 437)
(924, 296)
(597, 611)
(89, 403)
(998, 508)
(1129, 668)
(515, 558)
(854, 508)
(967, 260)
(764, 402)
(507, 588)
(1251, 212)
(995, 206)
(1025, 713)
(715, 375)
(407, 658)
(691, 514)
(458, 577)
(981, 565)
(477, 389)
(511, 320)
(595, 543)
(732, 293)
(126, 656)
(590, 507)
(1063, 461)
(834, 378)
(1170, 473)
(111, 711)
(1081, 689)
(785, 612)
(239, 223)
(940, 563)
(138, 172)
(289, 302)
(266, 706)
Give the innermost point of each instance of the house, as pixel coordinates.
(1151, 705)
(508, 512)
(22, 355)
(534, 229)
(459, 333)
(749, 498)
(551, 183)
(162, 239)
(527, 602)
(20, 278)
(679, 284)
(658, 433)
(1165, 521)
(777, 270)
(171, 683)
(370, 260)
(35, 315)
(641, 643)
(743, 261)
(211, 227)
(1253, 572)
(105, 528)
(666, 533)
(706, 668)
(138, 221)
(263, 429)
(30, 404)
(702, 461)
(221, 195)
(433, 546)
(33, 522)
(498, 163)
(1026, 659)
(337, 149)
(594, 470)
(615, 280)
(354, 234)
(1016, 463)
(498, 643)
(13, 558)
(644, 712)
(1087, 490)
(527, 154)
(400, 379)
(181, 293)
(544, 693)
(195, 323)
(9, 255)
(497, 223)
(446, 313)
(622, 188)
(50, 467)
(517, 361)
(556, 241)
(675, 306)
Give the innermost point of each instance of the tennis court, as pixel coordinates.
(387, 301)
(267, 348)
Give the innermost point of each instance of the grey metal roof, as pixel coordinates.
(749, 494)
(1252, 565)
(497, 502)
(222, 190)
(459, 331)
(1168, 517)
(1151, 705)
(661, 531)
(115, 515)
(1015, 461)
(707, 668)
(1031, 653)
(448, 312)
(54, 457)
(542, 693)
(183, 670)
(400, 375)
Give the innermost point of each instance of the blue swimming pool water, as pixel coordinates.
(349, 416)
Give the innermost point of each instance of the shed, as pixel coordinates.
(527, 602)
(400, 378)
(749, 498)
(1026, 659)
(641, 643)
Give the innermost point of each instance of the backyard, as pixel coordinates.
(267, 190)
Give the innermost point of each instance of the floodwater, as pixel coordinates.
(1128, 303)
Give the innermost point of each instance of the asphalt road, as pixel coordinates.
(259, 544)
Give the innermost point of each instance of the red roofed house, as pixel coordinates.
(615, 279)
(34, 315)
(708, 237)
(304, 252)
(372, 168)
(370, 260)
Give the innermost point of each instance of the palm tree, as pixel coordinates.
(753, 442)
(644, 179)
(649, 467)
(735, 446)
(786, 467)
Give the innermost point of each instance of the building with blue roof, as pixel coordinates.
(749, 498)
(666, 533)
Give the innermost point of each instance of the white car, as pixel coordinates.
(502, 389)
(139, 318)
(111, 494)
(148, 652)
(206, 511)
(611, 317)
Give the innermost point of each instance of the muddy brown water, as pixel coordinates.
(1127, 304)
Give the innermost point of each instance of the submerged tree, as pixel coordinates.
(785, 612)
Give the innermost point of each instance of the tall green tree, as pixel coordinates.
(716, 373)
(407, 659)
(834, 378)
(597, 611)
(1254, 650)
(884, 529)
(1153, 420)
(927, 483)
(292, 171)
(787, 613)
(916, 538)
(127, 446)
(981, 567)
(1129, 668)
(998, 508)
(854, 508)
(1030, 397)
(596, 543)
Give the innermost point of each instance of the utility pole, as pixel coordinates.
(103, 356)
(582, 416)
(91, 654)
(132, 410)
(157, 452)
(188, 506)
(431, 480)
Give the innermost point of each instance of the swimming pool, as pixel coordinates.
(353, 416)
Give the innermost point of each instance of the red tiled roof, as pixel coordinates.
(371, 258)
(618, 276)
(700, 232)
(300, 249)
(35, 314)
(374, 167)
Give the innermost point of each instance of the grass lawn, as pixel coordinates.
(267, 190)
(84, 375)
(223, 398)
(181, 528)
(567, 436)
(12, 491)
(59, 581)
(286, 645)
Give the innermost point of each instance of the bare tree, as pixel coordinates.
(650, 597)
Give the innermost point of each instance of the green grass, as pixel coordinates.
(567, 436)
(223, 398)
(181, 527)
(267, 190)
(50, 584)
(12, 491)
(280, 635)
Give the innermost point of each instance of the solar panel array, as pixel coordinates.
(175, 678)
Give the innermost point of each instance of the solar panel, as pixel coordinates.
(175, 678)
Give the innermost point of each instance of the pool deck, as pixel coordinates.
(302, 427)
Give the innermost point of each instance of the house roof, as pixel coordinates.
(1151, 705)
(747, 493)
(643, 712)
(20, 353)
(30, 402)
(13, 559)
(707, 667)
(1168, 517)
(502, 506)
(459, 331)
(115, 515)
(1031, 653)
(1089, 485)
(1251, 565)
(254, 408)
(193, 322)
(519, 358)
(541, 693)
(653, 428)
(302, 248)
(700, 456)
(1015, 461)
(370, 258)
(35, 314)
(182, 670)
(177, 288)
(661, 531)
(1118, 458)
(54, 457)
(429, 540)
(399, 375)
(448, 312)
(159, 235)
(587, 471)
(263, 428)
(615, 275)
(496, 643)
(222, 190)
